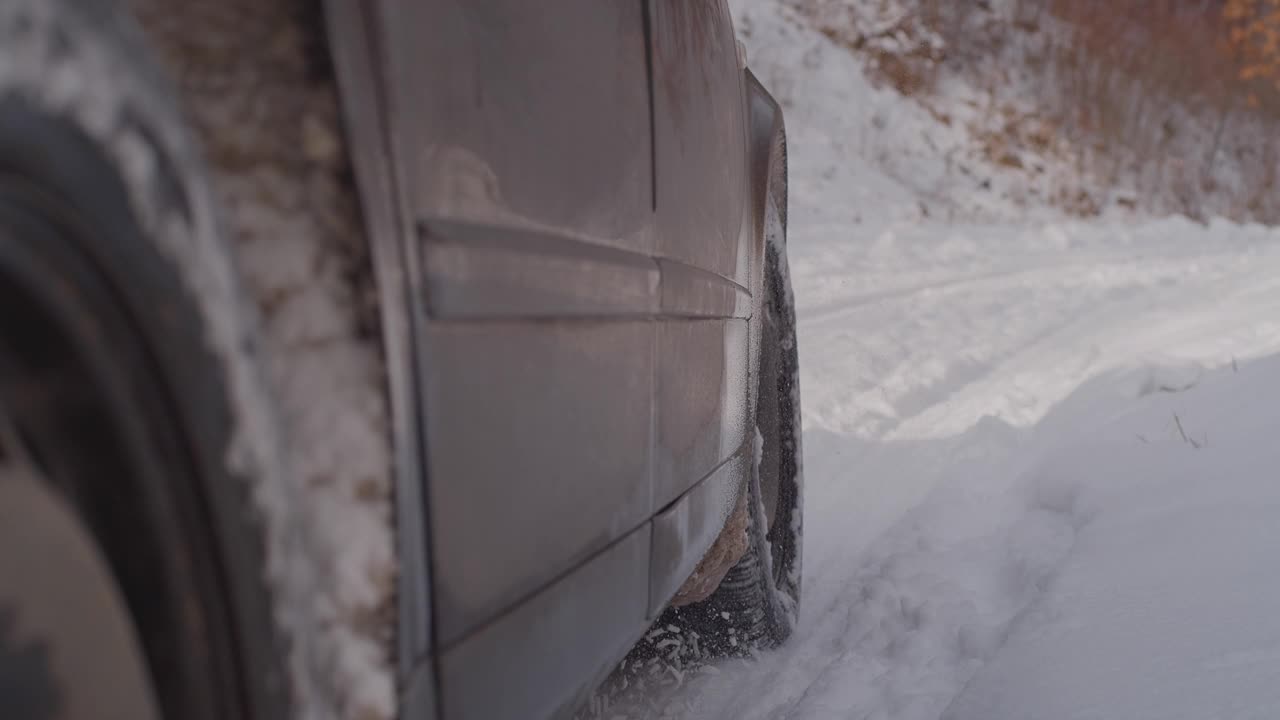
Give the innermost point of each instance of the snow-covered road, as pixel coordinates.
(941, 367)
(1165, 605)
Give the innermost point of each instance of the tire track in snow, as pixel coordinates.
(834, 310)
(1048, 265)
(1162, 322)
(963, 337)
(926, 606)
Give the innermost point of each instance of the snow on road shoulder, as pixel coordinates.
(1119, 548)
(1166, 605)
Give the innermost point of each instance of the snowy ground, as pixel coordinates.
(1164, 605)
(1038, 457)
(989, 408)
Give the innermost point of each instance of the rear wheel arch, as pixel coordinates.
(767, 150)
(761, 593)
(756, 603)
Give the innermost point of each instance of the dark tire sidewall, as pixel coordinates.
(65, 168)
(778, 423)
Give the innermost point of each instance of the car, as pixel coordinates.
(403, 358)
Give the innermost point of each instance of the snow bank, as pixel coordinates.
(1112, 560)
(1165, 607)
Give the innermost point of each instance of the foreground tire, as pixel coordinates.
(123, 375)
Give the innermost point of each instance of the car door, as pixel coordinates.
(703, 245)
(522, 135)
(583, 353)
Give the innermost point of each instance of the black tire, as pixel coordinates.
(111, 368)
(755, 606)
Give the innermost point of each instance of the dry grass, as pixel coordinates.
(904, 49)
(1140, 99)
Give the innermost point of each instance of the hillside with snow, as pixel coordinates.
(1038, 448)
